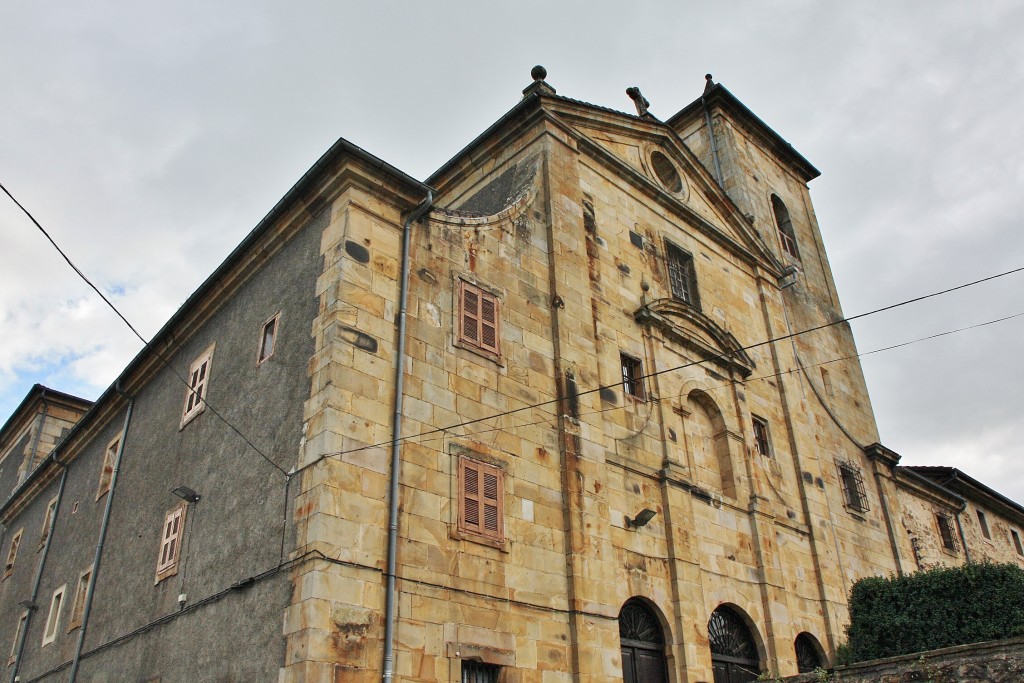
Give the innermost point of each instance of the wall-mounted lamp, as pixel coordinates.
(789, 276)
(185, 493)
(641, 519)
(28, 604)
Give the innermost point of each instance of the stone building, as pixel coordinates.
(635, 442)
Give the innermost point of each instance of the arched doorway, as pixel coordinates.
(643, 644)
(733, 652)
(808, 653)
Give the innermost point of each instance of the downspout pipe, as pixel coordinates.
(23, 634)
(87, 611)
(390, 597)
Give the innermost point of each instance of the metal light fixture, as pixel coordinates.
(641, 519)
(185, 493)
(28, 604)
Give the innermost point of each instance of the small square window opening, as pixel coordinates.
(632, 377)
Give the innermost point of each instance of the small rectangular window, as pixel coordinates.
(53, 620)
(107, 473)
(198, 381)
(946, 531)
(17, 637)
(78, 607)
(51, 509)
(478, 672)
(761, 442)
(681, 275)
(170, 543)
(827, 381)
(479, 324)
(853, 487)
(268, 339)
(12, 553)
(481, 499)
(983, 523)
(1016, 542)
(632, 377)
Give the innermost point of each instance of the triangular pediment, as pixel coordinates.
(683, 324)
(643, 151)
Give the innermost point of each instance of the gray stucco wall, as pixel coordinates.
(234, 532)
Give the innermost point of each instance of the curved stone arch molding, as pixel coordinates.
(718, 396)
(685, 325)
(501, 219)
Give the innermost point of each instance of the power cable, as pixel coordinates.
(131, 327)
(723, 355)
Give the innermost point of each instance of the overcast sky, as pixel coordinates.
(150, 138)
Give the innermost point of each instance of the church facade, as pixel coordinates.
(581, 406)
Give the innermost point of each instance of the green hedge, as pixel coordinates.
(935, 609)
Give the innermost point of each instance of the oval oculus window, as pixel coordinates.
(666, 172)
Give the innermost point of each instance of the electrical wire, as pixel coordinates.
(131, 327)
(724, 355)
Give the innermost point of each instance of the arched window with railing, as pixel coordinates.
(785, 225)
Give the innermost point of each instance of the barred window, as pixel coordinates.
(946, 531)
(681, 275)
(632, 377)
(853, 487)
(478, 672)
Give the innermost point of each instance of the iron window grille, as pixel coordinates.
(853, 487)
(681, 275)
(632, 377)
(945, 524)
(478, 672)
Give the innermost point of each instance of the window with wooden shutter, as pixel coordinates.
(12, 553)
(78, 606)
(198, 381)
(170, 543)
(479, 319)
(107, 473)
(51, 509)
(481, 496)
(17, 636)
(762, 444)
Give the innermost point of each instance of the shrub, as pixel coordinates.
(934, 609)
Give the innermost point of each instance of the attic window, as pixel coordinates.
(666, 172)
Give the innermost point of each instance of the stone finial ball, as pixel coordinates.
(539, 73)
(707, 77)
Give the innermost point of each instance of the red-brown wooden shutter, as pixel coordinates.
(481, 495)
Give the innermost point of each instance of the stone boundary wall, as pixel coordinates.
(997, 661)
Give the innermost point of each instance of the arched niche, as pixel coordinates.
(708, 443)
(809, 653)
